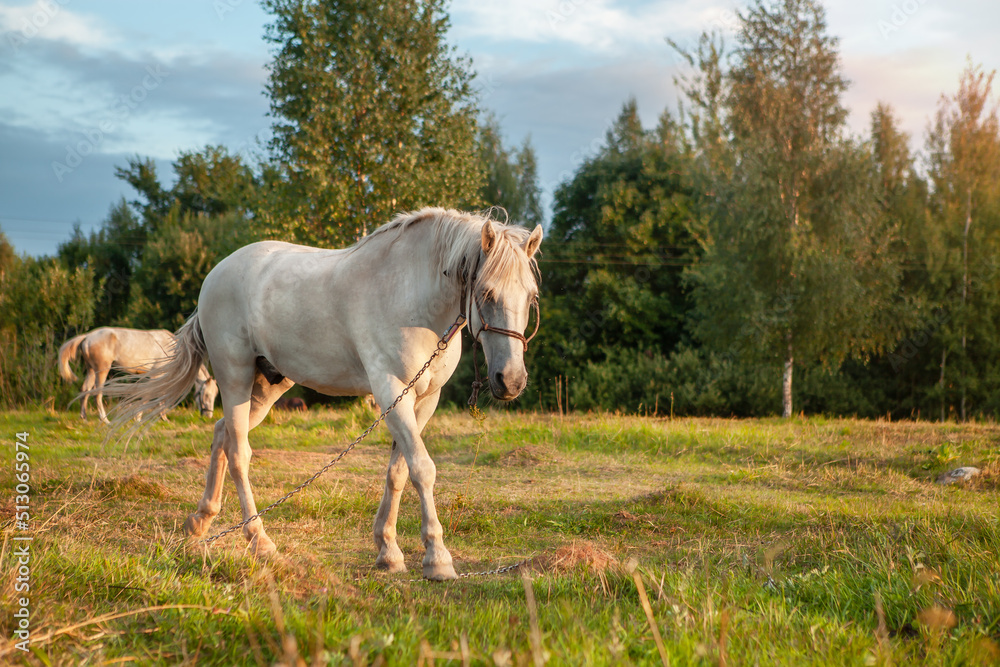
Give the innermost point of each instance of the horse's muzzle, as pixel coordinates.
(504, 391)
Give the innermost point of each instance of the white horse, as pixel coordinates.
(351, 322)
(131, 350)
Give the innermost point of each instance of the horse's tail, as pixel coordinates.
(162, 387)
(67, 353)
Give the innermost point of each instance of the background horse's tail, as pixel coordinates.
(67, 353)
(162, 387)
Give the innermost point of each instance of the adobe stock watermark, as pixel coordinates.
(489, 84)
(21, 554)
(118, 114)
(563, 11)
(223, 7)
(724, 21)
(578, 158)
(911, 346)
(249, 148)
(899, 15)
(42, 14)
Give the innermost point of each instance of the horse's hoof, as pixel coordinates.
(390, 559)
(262, 547)
(440, 572)
(196, 526)
(392, 566)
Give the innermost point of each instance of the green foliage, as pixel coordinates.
(684, 266)
(175, 263)
(614, 253)
(150, 257)
(374, 114)
(41, 304)
(112, 253)
(963, 239)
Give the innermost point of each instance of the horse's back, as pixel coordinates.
(294, 305)
(134, 350)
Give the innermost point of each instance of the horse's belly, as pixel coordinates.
(332, 376)
(342, 382)
(340, 389)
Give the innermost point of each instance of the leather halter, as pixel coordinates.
(469, 287)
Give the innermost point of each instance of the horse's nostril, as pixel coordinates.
(498, 378)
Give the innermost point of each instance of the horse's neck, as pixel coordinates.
(431, 291)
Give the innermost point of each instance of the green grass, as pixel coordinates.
(808, 541)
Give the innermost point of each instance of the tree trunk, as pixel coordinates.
(786, 382)
(965, 292)
(944, 359)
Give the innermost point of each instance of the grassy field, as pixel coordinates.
(728, 542)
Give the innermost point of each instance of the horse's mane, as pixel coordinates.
(457, 242)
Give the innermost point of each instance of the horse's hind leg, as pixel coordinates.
(198, 523)
(88, 384)
(102, 376)
(208, 508)
(390, 556)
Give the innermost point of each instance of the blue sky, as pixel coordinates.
(84, 85)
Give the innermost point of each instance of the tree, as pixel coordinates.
(41, 304)
(373, 114)
(615, 253)
(964, 168)
(902, 375)
(175, 263)
(180, 230)
(7, 256)
(796, 259)
(112, 253)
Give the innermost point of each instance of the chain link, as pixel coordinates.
(500, 570)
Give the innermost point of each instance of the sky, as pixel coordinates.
(84, 85)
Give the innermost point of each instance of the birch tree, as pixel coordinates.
(964, 167)
(373, 114)
(796, 264)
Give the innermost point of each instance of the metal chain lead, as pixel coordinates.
(500, 570)
(442, 345)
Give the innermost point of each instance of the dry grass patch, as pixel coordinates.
(574, 556)
(523, 457)
(132, 486)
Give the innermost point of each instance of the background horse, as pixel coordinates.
(131, 350)
(345, 323)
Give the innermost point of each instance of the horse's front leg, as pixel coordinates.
(405, 428)
(390, 557)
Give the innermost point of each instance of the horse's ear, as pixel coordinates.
(489, 237)
(532, 242)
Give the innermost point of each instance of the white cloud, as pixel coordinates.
(595, 25)
(53, 21)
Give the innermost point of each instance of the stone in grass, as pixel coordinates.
(963, 474)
